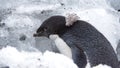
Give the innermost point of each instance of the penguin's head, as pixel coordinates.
(53, 25)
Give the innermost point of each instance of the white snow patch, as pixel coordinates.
(35, 8)
(88, 65)
(19, 21)
(102, 66)
(98, 66)
(13, 58)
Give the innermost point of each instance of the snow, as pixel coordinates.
(18, 30)
(115, 4)
(20, 19)
(98, 66)
(102, 66)
(35, 8)
(13, 58)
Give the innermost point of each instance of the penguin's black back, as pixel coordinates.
(82, 35)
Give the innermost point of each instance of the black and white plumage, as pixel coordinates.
(61, 45)
(82, 38)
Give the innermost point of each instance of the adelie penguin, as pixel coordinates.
(85, 41)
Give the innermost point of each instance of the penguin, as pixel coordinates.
(85, 41)
(61, 45)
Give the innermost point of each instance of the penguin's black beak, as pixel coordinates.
(35, 35)
(41, 34)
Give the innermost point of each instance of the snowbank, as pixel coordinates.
(10, 56)
(13, 58)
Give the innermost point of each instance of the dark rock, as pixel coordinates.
(62, 4)
(22, 38)
(2, 24)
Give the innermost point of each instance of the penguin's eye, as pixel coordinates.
(45, 29)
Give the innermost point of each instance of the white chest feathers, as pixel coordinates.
(61, 45)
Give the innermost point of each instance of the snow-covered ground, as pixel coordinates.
(11, 57)
(19, 20)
